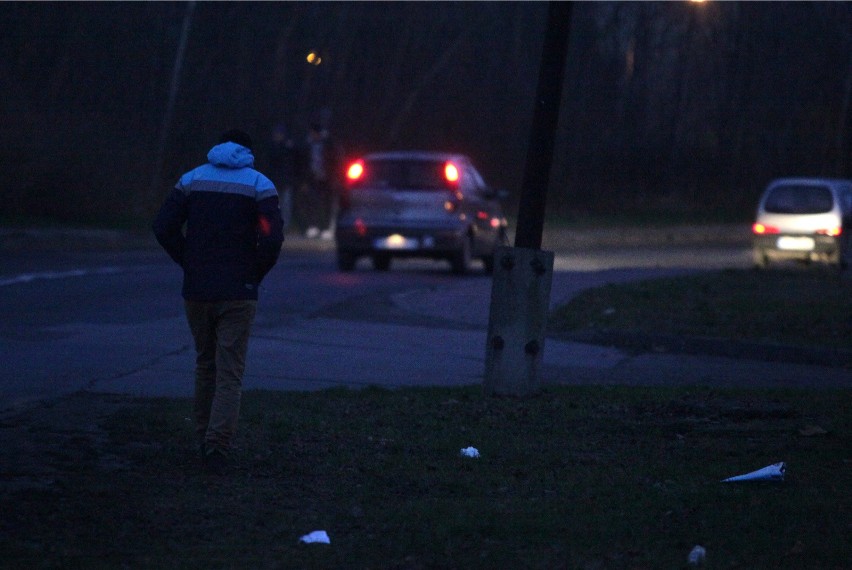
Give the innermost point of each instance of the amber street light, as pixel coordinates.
(314, 58)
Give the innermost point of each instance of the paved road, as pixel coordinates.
(112, 322)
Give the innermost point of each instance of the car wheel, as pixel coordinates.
(761, 260)
(838, 258)
(488, 263)
(345, 261)
(845, 253)
(504, 237)
(381, 262)
(460, 261)
(488, 260)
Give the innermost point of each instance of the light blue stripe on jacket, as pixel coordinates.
(230, 170)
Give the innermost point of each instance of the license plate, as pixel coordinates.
(793, 243)
(396, 241)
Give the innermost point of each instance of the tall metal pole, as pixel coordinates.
(545, 120)
(520, 291)
(165, 128)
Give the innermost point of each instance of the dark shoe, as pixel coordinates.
(213, 460)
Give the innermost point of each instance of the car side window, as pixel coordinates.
(479, 185)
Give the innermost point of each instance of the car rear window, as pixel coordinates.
(404, 175)
(799, 199)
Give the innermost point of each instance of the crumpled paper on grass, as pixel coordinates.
(769, 473)
(470, 452)
(316, 537)
(697, 556)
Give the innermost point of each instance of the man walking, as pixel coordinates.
(232, 239)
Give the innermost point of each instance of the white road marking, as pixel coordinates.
(47, 275)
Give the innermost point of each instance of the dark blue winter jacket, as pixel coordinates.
(233, 229)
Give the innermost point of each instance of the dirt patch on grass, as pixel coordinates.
(46, 441)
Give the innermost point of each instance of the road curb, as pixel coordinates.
(639, 342)
(568, 238)
(21, 239)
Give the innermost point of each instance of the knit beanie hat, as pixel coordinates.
(236, 136)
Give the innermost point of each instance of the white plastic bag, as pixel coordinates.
(470, 452)
(697, 556)
(316, 537)
(770, 473)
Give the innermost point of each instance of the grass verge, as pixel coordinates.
(592, 477)
(810, 308)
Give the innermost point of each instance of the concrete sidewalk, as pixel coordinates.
(448, 349)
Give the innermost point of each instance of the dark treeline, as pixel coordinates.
(669, 107)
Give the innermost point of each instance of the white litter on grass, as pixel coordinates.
(770, 473)
(696, 556)
(316, 537)
(470, 452)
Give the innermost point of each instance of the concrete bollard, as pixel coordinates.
(520, 300)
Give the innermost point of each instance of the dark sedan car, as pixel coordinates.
(418, 204)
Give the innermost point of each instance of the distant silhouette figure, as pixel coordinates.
(320, 189)
(282, 167)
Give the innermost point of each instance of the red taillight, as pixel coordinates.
(355, 171)
(761, 229)
(451, 172)
(360, 227)
(833, 232)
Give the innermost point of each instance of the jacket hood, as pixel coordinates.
(230, 155)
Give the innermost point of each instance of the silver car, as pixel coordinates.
(418, 204)
(804, 219)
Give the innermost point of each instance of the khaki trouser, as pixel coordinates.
(221, 332)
